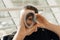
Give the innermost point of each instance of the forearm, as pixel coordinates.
(19, 36)
(54, 28)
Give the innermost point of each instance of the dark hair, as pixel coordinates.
(30, 14)
(31, 8)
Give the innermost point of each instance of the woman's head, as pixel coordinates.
(29, 9)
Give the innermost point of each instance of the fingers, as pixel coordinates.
(31, 30)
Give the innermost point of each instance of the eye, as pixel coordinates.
(30, 19)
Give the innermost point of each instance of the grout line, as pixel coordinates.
(52, 13)
(9, 13)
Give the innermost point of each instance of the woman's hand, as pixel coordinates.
(23, 31)
(27, 31)
(41, 20)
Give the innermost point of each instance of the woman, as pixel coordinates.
(35, 32)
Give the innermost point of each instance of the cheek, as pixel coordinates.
(30, 22)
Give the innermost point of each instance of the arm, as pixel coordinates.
(48, 25)
(22, 32)
(54, 28)
(19, 36)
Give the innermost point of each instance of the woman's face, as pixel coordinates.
(29, 20)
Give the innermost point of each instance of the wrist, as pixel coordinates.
(46, 24)
(22, 35)
(19, 36)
